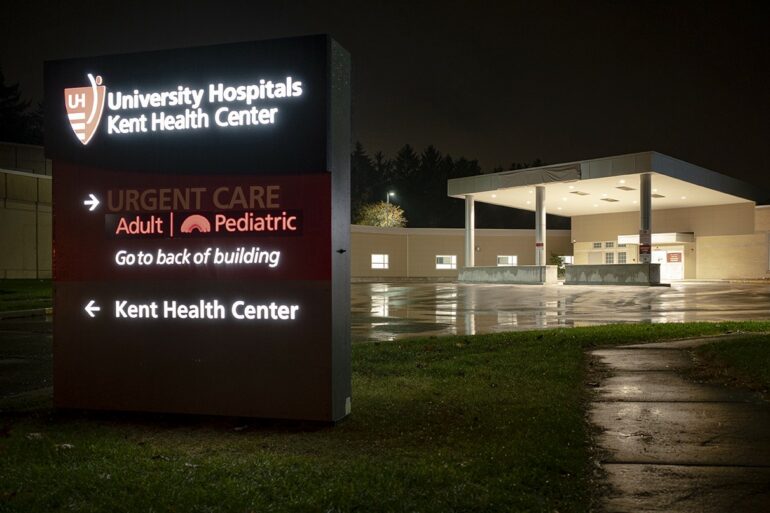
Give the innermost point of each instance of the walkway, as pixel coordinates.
(669, 444)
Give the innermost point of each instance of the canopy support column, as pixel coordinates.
(470, 231)
(645, 218)
(540, 227)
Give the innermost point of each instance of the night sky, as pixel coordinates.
(497, 81)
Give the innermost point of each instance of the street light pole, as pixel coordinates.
(387, 201)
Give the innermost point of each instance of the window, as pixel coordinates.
(446, 261)
(622, 257)
(379, 261)
(568, 259)
(622, 245)
(609, 244)
(609, 258)
(507, 260)
(597, 245)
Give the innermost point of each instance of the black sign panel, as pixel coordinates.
(201, 230)
(246, 107)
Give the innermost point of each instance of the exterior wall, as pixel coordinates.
(690, 262)
(583, 249)
(24, 157)
(412, 251)
(425, 244)
(731, 241)
(737, 219)
(762, 218)
(364, 243)
(733, 257)
(25, 225)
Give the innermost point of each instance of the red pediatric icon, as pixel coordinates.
(196, 222)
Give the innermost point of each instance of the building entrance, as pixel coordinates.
(671, 260)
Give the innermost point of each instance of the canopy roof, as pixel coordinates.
(606, 185)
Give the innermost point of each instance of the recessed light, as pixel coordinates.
(684, 197)
(564, 199)
(596, 205)
(571, 186)
(655, 190)
(604, 195)
(622, 181)
(494, 195)
(529, 202)
(530, 191)
(634, 202)
(558, 208)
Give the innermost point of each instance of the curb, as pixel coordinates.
(18, 314)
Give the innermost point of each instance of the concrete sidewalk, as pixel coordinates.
(670, 444)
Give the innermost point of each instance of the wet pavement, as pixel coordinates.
(388, 311)
(670, 444)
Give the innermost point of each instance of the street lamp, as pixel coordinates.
(388, 195)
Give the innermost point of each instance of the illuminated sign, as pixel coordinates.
(204, 309)
(201, 229)
(84, 108)
(149, 111)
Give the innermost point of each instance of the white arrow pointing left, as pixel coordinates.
(91, 308)
(93, 202)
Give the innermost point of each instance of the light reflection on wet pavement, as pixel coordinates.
(389, 311)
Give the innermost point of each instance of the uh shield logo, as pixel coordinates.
(84, 108)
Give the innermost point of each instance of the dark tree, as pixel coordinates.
(363, 181)
(527, 165)
(13, 116)
(465, 167)
(404, 165)
(35, 125)
(425, 188)
(383, 177)
(382, 168)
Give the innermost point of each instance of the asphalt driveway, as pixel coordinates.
(388, 311)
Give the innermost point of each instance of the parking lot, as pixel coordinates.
(388, 311)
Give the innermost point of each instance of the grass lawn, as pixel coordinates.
(478, 423)
(744, 361)
(24, 294)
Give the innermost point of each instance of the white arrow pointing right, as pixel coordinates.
(93, 202)
(91, 308)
